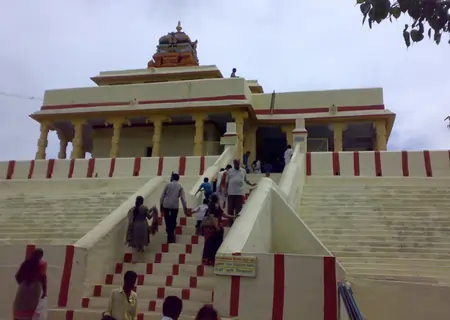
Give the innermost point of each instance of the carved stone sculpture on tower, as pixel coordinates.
(175, 50)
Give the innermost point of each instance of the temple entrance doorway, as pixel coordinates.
(270, 147)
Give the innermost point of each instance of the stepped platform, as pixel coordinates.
(395, 229)
(58, 211)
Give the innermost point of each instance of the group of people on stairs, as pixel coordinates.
(209, 214)
(32, 274)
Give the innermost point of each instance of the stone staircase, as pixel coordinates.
(58, 211)
(381, 228)
(163, 270)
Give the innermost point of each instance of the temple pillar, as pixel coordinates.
(43, 140)
(288, 130)
(338, 130)
(381, 139)
(300, 135)
(117, 124)
(199, 129)
(63, 142)
(239, 117)
(77, 142)
(157, 121)
(250, 142)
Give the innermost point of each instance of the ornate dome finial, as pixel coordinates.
(179, 27)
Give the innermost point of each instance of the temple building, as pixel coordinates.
(177, 107)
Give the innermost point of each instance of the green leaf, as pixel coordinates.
(395, 12)
(416, 35)
(360, 1)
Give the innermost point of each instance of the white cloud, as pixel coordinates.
(286, 45)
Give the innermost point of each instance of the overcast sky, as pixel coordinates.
(287, 45)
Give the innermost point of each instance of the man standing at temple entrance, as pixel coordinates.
(236, 176)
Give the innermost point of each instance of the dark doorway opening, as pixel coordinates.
(148, 152)
(270, 147)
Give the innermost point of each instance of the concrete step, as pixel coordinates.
(166, 269)
(187, 248)
(381, 230)
(148, 292)
(341, 252)
(398, 270)
(336, 221)
(161, 280)
(92, 314)
(387, 249)
(389, 245)
(144, 305)
(336, 236)
(174, 258)
(410, 262)
(384, 215)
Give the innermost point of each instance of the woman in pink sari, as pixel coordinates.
(32, 281)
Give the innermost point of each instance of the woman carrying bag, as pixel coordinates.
(212, 230)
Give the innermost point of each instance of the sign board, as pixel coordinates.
(299, 139)
(230, 140)
(242, 266)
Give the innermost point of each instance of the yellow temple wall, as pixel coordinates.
(320, 99)
(176, 140)
(149, 92)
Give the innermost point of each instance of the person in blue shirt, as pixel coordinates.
(206, 188)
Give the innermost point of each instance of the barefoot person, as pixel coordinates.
(235, 179)
(169, 202)
(138, 232)
(32, 281)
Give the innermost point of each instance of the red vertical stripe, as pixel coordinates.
(112, 166)
(278, 287)
(356, 163)
(30, 173)
(136, 167)
(202, 165)
(10, 173)
(71, 168)
(50, 168)
(377, 159)
(30, 249)
(234, 293)
(69, 314)
(91, 167)
(329, 289)
(66, 275)
(182, 166)
(308, 163)
(405, 165)
(426, 158)
(336, 166)
(160, 166)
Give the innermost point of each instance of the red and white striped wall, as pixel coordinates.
(379, 163)
(104, 167)
(286, 287)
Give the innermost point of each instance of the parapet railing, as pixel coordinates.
(347, 298)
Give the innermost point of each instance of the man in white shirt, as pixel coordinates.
(172, 308)
(288, 155)
(236, 177)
